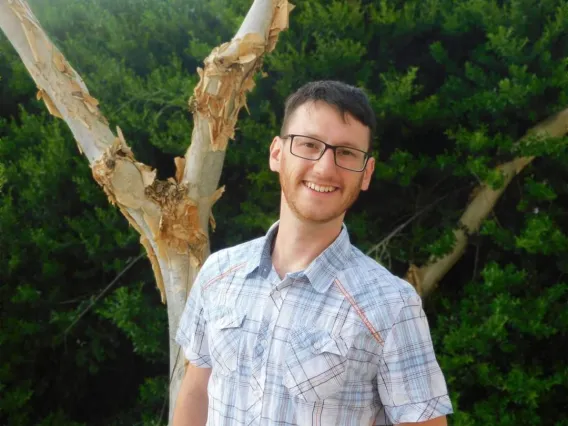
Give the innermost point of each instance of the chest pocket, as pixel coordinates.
(316, 364)
(225, 337)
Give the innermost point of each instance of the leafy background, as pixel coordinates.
(454, 84)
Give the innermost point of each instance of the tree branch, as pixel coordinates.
(128, 183)
(61, 88)
(426, 278)
(220, 95)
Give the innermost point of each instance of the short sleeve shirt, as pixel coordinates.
(343, 342)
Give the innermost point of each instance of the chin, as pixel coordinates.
(323, 220)
(318, 217)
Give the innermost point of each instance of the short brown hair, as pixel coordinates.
(346, 98)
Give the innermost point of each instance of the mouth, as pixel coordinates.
(320, 188)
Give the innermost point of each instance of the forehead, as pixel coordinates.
(325, 122)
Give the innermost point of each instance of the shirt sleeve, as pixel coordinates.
(411, 385)
(192, 331)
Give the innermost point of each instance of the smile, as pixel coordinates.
(319, 188)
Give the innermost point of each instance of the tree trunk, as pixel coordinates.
(171, 216)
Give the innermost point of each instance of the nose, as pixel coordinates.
(326, 164)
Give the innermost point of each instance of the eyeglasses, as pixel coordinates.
(313, 149)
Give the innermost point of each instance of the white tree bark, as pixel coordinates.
(171, 216)
(484, 198)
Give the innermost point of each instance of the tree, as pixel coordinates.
(172, 217)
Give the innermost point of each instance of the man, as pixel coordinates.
(299, 327)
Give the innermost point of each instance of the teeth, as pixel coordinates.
(319, 188)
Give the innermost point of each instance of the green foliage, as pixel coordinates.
(539, 229)
(60, 244)
(488, 348)
(455, 85)
(128, 310)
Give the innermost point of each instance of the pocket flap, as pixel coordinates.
(233, 320)
(222, 317)
(319, 341)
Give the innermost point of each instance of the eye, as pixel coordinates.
(346, 152)
(309, 145)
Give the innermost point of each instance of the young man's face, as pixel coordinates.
(298, 176)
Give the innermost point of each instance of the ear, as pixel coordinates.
(275, 157)
(368, 174)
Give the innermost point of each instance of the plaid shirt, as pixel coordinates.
(343, 342)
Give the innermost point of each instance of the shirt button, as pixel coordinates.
(276, 294)
(259, 350)
(258, 393)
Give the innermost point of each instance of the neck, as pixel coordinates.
(299, 242)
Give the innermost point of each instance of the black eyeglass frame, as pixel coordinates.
(328, 146)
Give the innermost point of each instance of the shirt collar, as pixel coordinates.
(324, 268)
(261, 254)
(321, 272)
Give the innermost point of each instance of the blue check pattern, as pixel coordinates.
(343, 342)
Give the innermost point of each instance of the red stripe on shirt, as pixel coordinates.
(360, 312)
(227, 272)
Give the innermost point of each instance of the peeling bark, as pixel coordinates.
(59, 85)
(484, 198)
(172, 216)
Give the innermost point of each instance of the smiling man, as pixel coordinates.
(299, 327)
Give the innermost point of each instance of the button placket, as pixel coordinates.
(262, 347)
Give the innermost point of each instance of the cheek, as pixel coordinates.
(354, 183)
(292, 169)
(349, 179)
